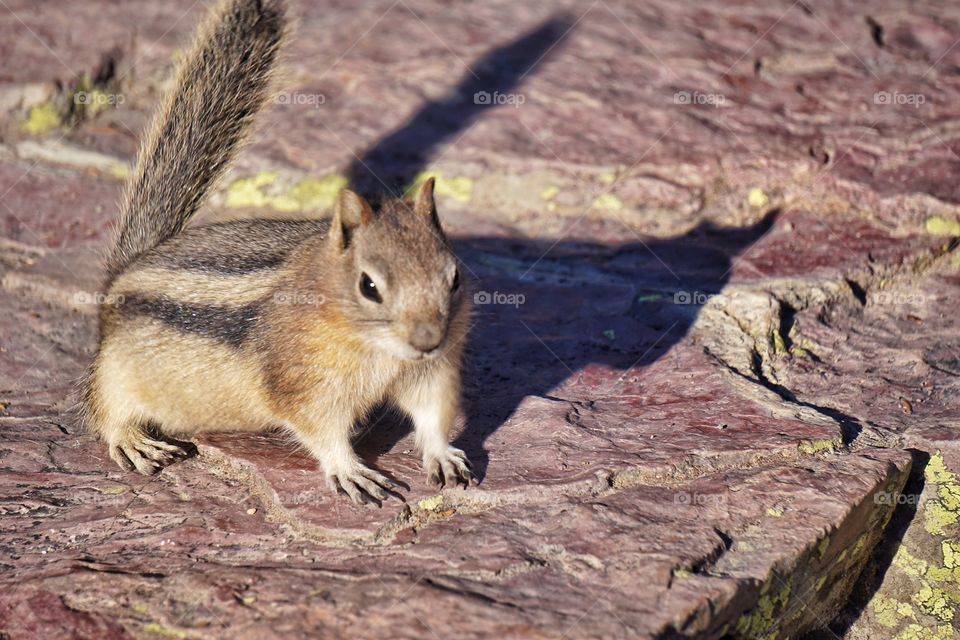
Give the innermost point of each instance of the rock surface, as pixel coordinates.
(712, 380)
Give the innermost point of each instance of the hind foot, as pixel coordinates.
(146, 455)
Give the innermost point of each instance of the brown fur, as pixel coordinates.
(299, 325)
(221, 85)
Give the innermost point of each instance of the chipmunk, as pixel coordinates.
(253, 325)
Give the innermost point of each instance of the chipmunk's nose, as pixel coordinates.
(426, 336)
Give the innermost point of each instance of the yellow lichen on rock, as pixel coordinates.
(550, 192)
(607, 202)
(951, 554)
(157, 629)
(910, 564)
(431, 503)
(811, 447)
(937, 595)
(119, 171)
(918, 632)
(260, 191)
(757, 199)
(762, 623)
(890, 612)
(940, 226)
(941, 511)
(934, 601)
(41, 119)
(311, 194)
(822, 547)
(248, 192)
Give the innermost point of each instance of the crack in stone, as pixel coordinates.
(705, 565)
(483, 598)
(503, 574)
(415, 517)
(784, 300)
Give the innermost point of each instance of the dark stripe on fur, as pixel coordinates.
(230, 326)
(233, 248)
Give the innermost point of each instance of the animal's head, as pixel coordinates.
(399, 281)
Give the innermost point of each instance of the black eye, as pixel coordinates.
(369, 289)
(456, 280)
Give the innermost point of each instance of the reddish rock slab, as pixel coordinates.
(43, 206)
(713, 321)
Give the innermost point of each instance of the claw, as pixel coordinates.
(137, 452)
(362, 484)
(351, 490)
(451, 467)
(118, 456)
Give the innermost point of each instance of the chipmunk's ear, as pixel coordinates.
(424, 204)
(350, 211)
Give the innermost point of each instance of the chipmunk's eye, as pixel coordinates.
(369, 289)
(456, 281)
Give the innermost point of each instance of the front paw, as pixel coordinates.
(361, 483)
(449, 466)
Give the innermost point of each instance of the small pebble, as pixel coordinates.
(251, 511)
(905, 406)
(757, 198)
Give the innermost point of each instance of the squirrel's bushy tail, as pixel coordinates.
(222, 83)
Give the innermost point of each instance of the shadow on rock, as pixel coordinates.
(546, 312)
(395, 160)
